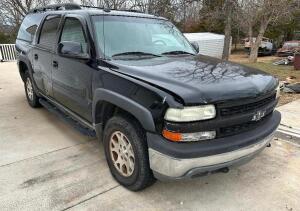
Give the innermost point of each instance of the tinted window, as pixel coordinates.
(117, 35)
(73, 31)
(29, 26)
(49, 31)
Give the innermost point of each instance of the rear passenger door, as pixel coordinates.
(72, 77)
(43, 52)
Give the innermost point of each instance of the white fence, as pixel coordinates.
(8, 52)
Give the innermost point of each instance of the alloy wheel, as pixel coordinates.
(121, 153)
(29, 89)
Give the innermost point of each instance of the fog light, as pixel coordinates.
(188, 137)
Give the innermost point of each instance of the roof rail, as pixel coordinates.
(86, 6)
(73, 6)
(93, 7)
(133, 10)
(109, 9)
(66, 6)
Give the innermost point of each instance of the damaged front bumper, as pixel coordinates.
(240, 149)
(166, 167)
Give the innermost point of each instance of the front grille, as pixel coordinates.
(241, 109)
(235, 129)
(248, 109)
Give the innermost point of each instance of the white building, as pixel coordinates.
(210, 44)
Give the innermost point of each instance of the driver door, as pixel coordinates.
(72, 77)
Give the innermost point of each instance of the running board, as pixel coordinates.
(67, 118)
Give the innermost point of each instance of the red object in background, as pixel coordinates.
(297, 62)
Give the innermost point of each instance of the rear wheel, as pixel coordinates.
(32, 98)
(127, 153)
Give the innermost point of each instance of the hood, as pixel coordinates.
(199, 79)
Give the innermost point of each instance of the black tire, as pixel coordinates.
(142, 175)
(33, 99)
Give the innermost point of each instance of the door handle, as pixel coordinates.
(36, 56)
(55, 64)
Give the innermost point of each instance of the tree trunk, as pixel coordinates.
(237, 39)
(254, 48)
(227, 31)
(250, 34)
(184, 15)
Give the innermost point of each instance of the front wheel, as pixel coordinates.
(32, 98)
(127, 153)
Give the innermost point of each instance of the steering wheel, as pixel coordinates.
(159, 42)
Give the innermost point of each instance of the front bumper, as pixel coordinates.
(166, 165)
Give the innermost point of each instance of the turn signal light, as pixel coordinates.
(188, 137)
(172, 136)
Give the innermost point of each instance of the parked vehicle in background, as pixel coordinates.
(289, 48)
(161, 110)
(266, 47)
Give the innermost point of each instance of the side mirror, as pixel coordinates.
(72, 50)
(195, 46)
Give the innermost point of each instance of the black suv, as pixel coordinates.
(162, 110)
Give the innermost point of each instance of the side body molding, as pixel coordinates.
(143, 115)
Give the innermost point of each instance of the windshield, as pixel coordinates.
(132, 36)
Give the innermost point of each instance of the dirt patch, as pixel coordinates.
(287, 98)
(244, 58)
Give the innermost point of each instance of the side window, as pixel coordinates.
(29, 26)
(49, 31)
(73, 31)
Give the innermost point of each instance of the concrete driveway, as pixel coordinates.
(47, 165)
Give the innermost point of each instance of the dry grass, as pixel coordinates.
(279, 71)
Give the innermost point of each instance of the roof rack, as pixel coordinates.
(73, 6)
(132, 10)
(108, 9)
(66, 6)
(93, 7)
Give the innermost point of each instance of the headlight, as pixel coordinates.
(189, 114)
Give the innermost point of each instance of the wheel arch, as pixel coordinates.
(22, 69)
(23, 65)
(106, 103)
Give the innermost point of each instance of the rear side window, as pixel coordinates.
(72, 31)
(49, 32)
(29, 26)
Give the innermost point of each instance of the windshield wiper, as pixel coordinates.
(135, 53)
(176, 53)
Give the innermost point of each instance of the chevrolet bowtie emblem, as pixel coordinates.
(258, 115)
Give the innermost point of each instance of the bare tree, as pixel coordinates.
(248, 14)
(13, 11)
(228, 12)
(220, 11)
(268, 11)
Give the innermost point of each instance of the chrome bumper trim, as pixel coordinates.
(176, 168)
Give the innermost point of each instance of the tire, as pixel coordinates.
(141, 175)
(32, 98)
